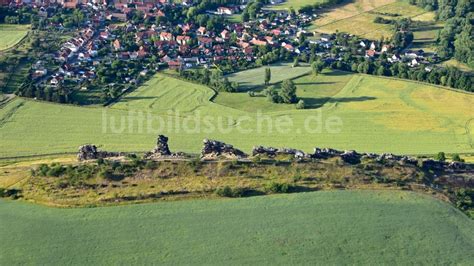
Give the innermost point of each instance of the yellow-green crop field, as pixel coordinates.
(376, 115)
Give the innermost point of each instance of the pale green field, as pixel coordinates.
(295, 4)
(377, 114)
(360, 21)
(11, 34)
(327, 228)
(456, 63)
(256, 77)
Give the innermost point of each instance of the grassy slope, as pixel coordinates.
(355, 18)
(11, 35)
(315, 91)
(350, 227)
(379, 115)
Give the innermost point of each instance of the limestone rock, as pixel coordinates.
(456, 165)
(430, 164)
(214, 149)
(264, 151)
(408, 160)
(325, 153)
(162, 150)
(91, 152)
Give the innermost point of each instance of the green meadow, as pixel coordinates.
(375, 115)
(255, 77)
(11, 35)
(330, 227)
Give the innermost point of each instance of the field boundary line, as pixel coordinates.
(342, 19)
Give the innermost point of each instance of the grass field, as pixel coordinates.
(377, 114)
(295, 4)
(337, 227)
(358, 18)
(255, 77)
(11, 35)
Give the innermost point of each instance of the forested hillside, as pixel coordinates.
(455, 39)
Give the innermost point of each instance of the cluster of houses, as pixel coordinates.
(186, 45)
(190, 46)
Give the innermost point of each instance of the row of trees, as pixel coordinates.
(214, 79)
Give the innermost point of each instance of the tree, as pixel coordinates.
(441, 157)
(288, 92)
(268, 75)
(296, 62)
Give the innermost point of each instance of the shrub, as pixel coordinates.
(151, 165)
(441, 157)
(277, 188)
(230, 192)
(300, 105)
(56, 170)
(224, 192)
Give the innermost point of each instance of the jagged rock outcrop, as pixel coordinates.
(214, 149)
(351, 157)
(408, 160)
(162, 150)
(430, 164)
(456, 165)
(91, 152)
(388, 157)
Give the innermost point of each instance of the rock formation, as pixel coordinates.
(162, 150)
(91, 152)
(430, 164)
(264, 151)
(213, 150)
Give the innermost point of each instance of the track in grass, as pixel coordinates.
(332, 227)
(377, 114)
